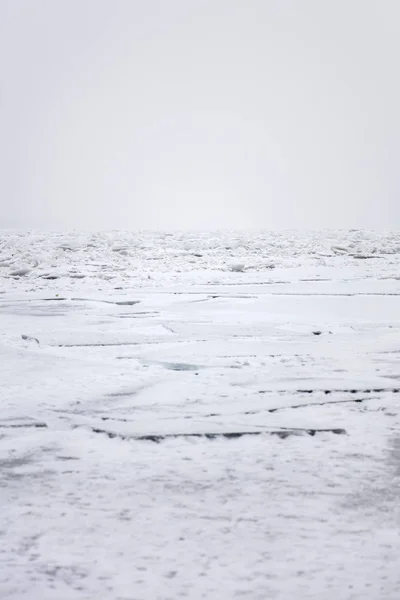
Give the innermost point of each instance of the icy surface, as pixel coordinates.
(211, 415)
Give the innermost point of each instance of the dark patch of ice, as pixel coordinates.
(180, 367)
(122, 394)
(281, 433)
(117, 302)
(28, 338)
(127, 302)
(334, 391)
(13, 423)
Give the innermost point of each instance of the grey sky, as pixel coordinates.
(199, 113)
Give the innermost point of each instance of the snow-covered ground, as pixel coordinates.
(211, 415)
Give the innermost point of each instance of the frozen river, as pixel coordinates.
(200, 416)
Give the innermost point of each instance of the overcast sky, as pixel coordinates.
(199, 113)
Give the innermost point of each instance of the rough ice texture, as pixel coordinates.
(173, 427)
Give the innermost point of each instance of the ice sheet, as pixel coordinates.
(175, 427)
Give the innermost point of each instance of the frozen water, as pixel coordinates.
(175, 427)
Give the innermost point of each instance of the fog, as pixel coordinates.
(199, 114)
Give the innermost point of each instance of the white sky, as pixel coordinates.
(199, 113)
